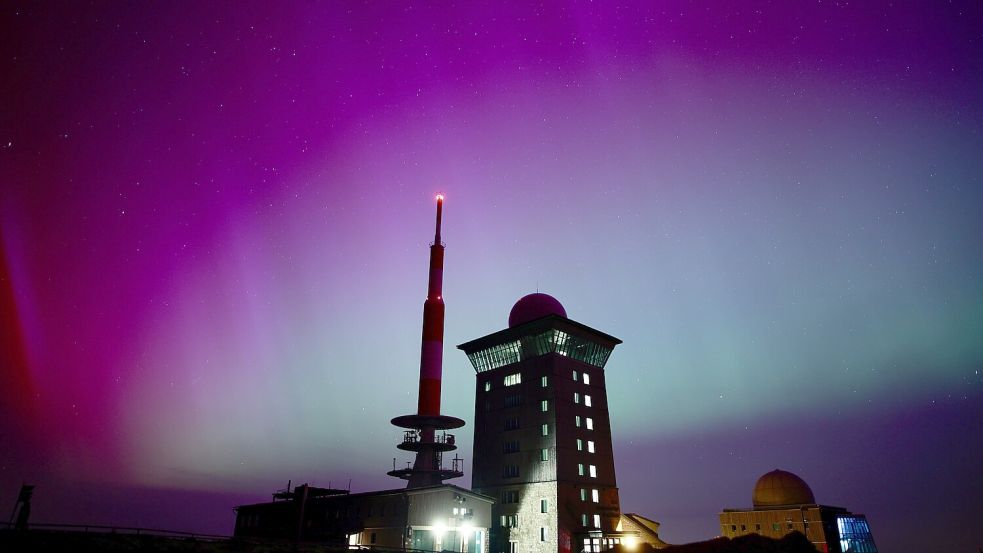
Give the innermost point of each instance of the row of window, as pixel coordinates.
(512, 423)
(551, 341)
(591, 470)
(512, 446)
(544, 381)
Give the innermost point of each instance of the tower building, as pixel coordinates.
(421, 434)
(542, 440)
(427, 515)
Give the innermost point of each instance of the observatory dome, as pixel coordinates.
(780, 487)
(535, 306)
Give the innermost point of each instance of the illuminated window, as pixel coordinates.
(595, 496)
(583, 494)
(544, 382)
(593, 471)
(576, 397)
(544, 505)
(580, 444)
(583, 520)
(574, 376)
(590, 423)
(590, 446)
(544, 454)
(577, 419)
(586, 378)
(513, 379)
(488, 385)
(597, 521)
(587, 400)
(544, 405)
(509, 521)
(580, 469)
(546, 430)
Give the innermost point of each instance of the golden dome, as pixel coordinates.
(779, 487)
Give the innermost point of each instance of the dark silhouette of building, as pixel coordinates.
(427, 514)
(542, 443)
(784, 503)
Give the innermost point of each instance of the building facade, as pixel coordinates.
(542, 441)
(784, 503)
(433, 518)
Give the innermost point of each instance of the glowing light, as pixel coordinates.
(439, 528)
(630, 542)
(440, 197)
(466, 529)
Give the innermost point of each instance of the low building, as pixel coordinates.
(783, 503)
(434, 518)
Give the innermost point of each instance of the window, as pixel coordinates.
(510, 496)
(512, 423)
(546, 430)
(544, 405)
(577, 419)
(757, 527)
(593, 471)
(574, 376)
(580, 444)
(576, 397)
(488, 385)
(583, 520)
(587, 400)
(513, 400)
(586, 379)
(733, 528)
(513, 379)
(597, 521)
(544, 454)
(544, 382)
(544, 505)
(510, 471)
(776, 527)
(509, 521)
(790, 526)
(580, 469)
(590, 446)
(542, 534)
(590, 423)
(513, 547)
(511, 446)
(372, 537)
(743, 528)
(595, 496)
(583, 494)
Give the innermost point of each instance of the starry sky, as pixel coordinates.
(214, 221)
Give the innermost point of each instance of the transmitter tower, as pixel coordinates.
(426, 431)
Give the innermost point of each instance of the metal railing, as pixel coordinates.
(100, 529)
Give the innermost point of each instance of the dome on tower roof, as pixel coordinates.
(780, 487)
(535, 306)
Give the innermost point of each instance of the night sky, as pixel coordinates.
(215, 220)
